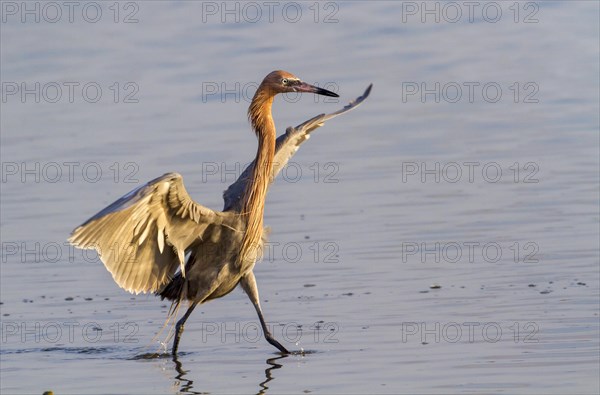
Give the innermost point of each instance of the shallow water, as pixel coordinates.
(400, 261)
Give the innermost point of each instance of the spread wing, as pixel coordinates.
(142, 237)
(285, 147)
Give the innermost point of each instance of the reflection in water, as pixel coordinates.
(268, 377)
(186, 385)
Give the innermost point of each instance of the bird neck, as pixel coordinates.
(261, 119)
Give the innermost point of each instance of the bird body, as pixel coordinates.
(144, 237)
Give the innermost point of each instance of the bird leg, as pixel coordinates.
(249, 285)
(179, 326)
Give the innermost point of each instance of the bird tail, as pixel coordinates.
(174, 290)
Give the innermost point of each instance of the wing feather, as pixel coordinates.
(142, 237)
(286, 146)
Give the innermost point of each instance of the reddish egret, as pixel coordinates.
(144, 238)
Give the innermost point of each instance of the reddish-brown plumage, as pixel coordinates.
(259, 114)
(146, 234)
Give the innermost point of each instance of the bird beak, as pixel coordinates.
(304, 87)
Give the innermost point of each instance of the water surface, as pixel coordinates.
(402, 260)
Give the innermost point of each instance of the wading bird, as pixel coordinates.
(157, 239)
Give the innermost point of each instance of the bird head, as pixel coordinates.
(280, 81)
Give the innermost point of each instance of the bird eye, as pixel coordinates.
(284, 81)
